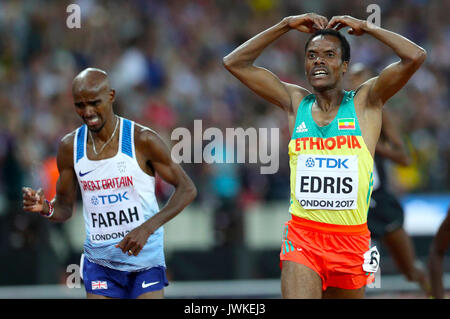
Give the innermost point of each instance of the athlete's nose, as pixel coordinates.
(318, 60)
(88, 111)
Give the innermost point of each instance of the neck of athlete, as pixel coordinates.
(329, 99)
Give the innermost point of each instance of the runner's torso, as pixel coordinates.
(331, 167)
(117, 197)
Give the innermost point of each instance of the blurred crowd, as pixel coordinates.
(164, 59)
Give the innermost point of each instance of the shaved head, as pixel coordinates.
(92, 80)
(93, 98)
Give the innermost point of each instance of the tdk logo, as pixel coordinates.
(109, 199)
(309, 162)
(327, 162)
(94, 200)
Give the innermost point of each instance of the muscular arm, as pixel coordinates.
(394, 76)
(157, 153)
(438, 248)
(66, 187)
(393, 147)
(171, 172)
(262, 81)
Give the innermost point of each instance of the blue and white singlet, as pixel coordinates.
(117, 197)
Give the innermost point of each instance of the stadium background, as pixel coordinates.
(165, 62)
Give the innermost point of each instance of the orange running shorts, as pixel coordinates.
(334, 252)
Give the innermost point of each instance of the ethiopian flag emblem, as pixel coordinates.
(346, 124)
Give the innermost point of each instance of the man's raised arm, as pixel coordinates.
(394, 76)
(260, 80)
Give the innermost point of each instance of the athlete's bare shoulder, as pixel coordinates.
(147, 140)
(65, 149)
(297, 94)
(143, 133)
(369, 115)
(69, 138)
(362, 98)
(366, 109)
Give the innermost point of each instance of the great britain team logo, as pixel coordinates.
(99, 285)
(121, 166)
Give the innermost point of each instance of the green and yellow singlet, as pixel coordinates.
(331, 167)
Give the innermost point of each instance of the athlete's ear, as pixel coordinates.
(344, 67)
(112, 95)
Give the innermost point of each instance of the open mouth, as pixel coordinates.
(320, 74)
(92, 121)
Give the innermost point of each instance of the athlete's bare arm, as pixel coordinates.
(394, 76)
(262, 81)
(66, 186)
(156, 154)
(391, 145)
(372, 94)
(438, 248)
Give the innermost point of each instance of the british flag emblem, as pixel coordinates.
(99, 285)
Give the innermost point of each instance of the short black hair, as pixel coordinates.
(345, 46)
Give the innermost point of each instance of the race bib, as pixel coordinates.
(111, 216)
(371, 260)
(327, 181)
